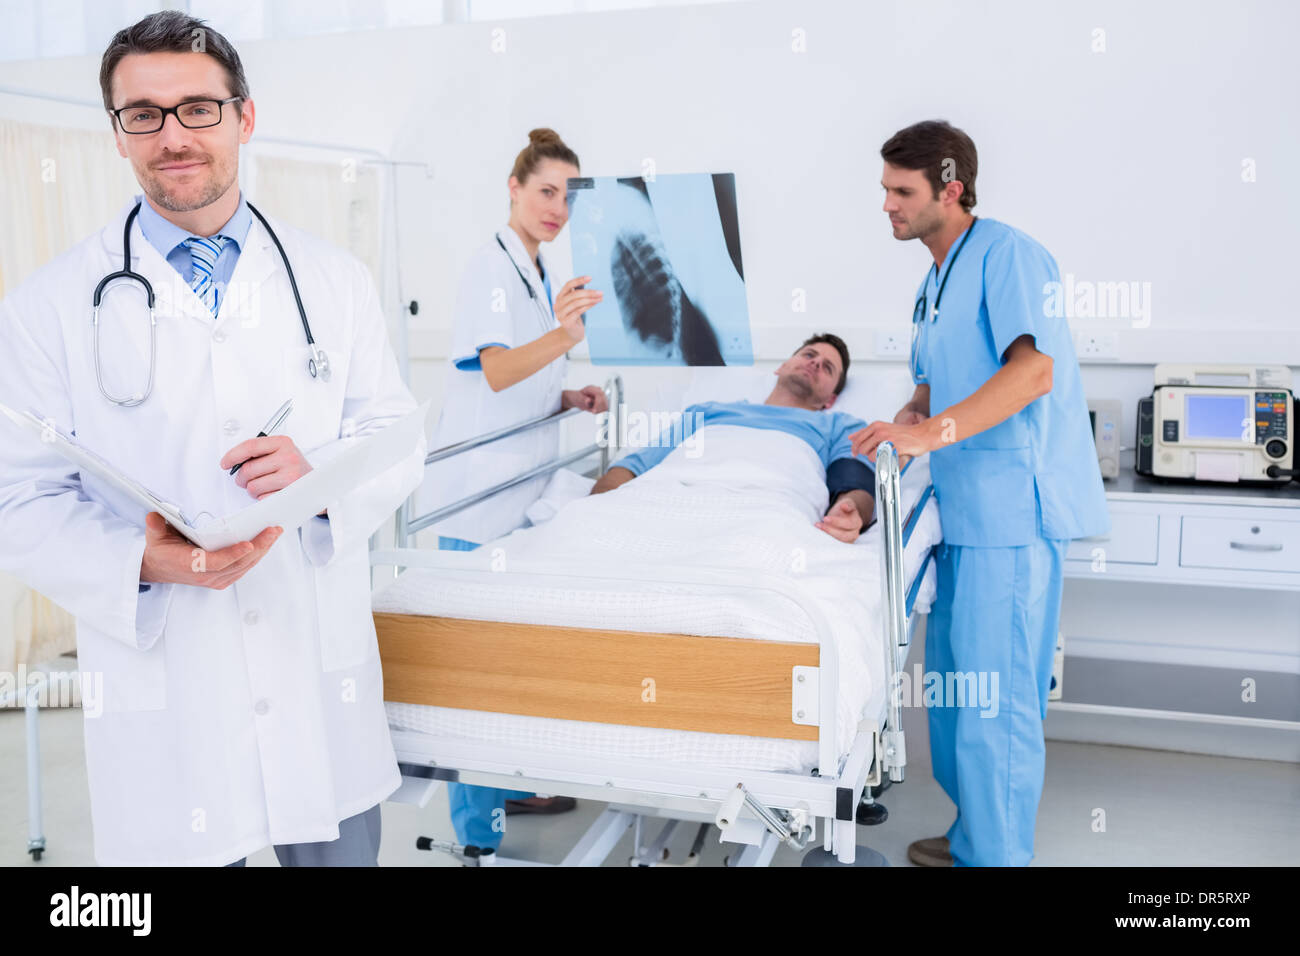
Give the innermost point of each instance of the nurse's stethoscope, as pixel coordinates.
(318, 364)
(922, 303)
(532, 293)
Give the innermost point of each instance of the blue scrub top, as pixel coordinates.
(1035, 475)
(826, 432)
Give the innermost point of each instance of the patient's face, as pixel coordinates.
(811, 374)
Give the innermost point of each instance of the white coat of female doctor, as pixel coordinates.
(218, 721)
(509, 352)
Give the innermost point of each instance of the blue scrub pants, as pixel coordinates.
(997, 611)
(478, 814)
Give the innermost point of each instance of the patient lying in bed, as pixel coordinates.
(724, 533)
(807, 385)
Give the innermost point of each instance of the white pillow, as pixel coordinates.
(875, 392)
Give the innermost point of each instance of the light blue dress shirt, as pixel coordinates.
(169, 238)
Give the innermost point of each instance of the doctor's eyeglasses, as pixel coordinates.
(196, 114)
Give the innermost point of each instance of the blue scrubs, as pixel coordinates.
(475, 811)
(1010, 499)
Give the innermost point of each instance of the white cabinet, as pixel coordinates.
(1134, 538)
(1249, 543)
(1196, 535)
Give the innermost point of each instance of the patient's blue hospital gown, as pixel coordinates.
(826, 432)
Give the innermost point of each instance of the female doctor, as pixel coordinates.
(509, 357)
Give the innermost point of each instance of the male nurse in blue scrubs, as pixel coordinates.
(999, 406)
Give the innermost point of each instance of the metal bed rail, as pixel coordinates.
(408, 524)
(894, 600)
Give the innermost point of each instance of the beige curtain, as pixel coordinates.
(59, 186)
(338, 202)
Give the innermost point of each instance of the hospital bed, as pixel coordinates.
(537, 676)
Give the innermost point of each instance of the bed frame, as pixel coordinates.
(769, 689)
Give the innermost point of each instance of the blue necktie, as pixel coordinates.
(203, 255)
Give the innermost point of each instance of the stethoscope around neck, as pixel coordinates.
(922, 306)
(318, 365)
(547, 318)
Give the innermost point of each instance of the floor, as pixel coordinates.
(1157, 808)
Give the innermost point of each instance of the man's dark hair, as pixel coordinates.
(171, 32)
(943, 152)
(837, 343)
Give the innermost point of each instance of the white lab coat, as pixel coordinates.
(493, 307)
(231, 719)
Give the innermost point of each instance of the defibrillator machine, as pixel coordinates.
(1218, 423)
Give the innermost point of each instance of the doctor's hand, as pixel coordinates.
(843, 522)
(170, 558)
(590, 399)
(908, 440)
(571, 303)
(270, 463)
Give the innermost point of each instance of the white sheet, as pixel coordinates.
(746, 502)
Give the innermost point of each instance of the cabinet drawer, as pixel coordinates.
(1241, 543)
(1134, 539)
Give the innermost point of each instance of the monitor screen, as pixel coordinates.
(1219, 416)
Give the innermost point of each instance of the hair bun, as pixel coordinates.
(543, 143)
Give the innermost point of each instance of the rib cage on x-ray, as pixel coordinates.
(654, 305)
(666, 252)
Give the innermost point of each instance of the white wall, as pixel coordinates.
(1127, 164)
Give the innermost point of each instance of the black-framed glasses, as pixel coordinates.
(196, 114)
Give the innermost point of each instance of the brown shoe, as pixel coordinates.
(540, 805)
(931, 852)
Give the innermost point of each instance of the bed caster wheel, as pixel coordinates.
(871, 814)
(863, 856)
(881, 787)
(36, 855)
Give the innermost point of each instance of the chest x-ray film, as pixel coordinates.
(666, 253)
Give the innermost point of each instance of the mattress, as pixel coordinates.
(645, 526)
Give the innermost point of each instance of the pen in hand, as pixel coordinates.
(276, 421)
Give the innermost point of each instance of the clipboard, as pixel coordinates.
(366, 458)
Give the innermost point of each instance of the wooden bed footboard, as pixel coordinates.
(715, 685)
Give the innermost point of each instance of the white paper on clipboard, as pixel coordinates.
(367, 457)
